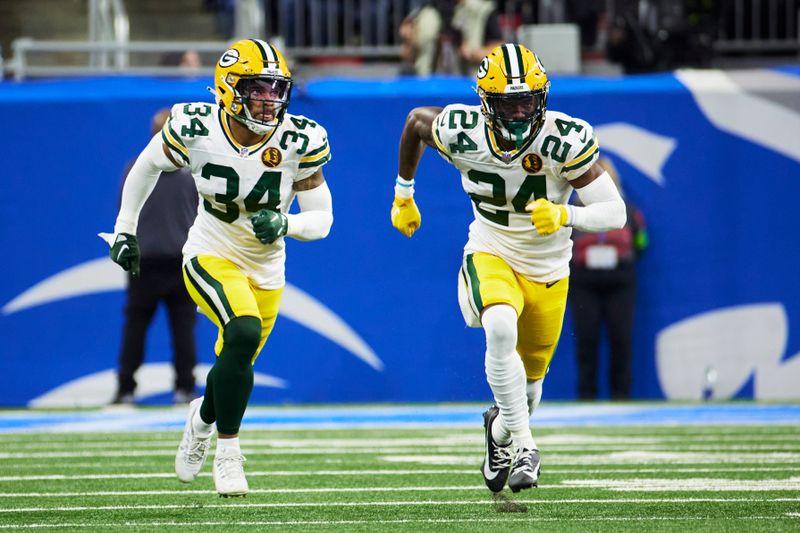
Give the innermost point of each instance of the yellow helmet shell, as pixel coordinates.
(511, 68)
(250, 58)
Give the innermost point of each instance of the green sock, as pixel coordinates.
(233, 372)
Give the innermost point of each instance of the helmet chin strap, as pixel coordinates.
(517, 136)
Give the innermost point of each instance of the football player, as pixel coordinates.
(519, 164)
(249, 158)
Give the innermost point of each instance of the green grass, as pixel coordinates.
(714, 478)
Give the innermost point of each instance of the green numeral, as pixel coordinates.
(269, 182)
(565, 126)
(202, 109)
(552, 139)
(301, 123)
(293, 136)
(535, 186)
(231, 213)
(498, 197)
(463, 121)
(463, 144)
(195, 128)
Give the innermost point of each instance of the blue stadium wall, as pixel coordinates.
(711, 159)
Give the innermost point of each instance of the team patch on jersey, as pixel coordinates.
(532, 163)
(272, 157)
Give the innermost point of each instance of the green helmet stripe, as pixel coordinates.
(507, 60)
(518, 55)
(261, 49)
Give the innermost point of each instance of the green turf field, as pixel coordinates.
(710, 478)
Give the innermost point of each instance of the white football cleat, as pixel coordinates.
(193, 449)
(228, 474)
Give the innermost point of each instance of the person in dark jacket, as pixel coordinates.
(163, 226)
(603, 292)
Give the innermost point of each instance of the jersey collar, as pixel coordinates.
(505, 157)
(240, 148)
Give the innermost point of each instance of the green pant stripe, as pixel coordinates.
(218, 295)
(206, 298)
(475, 283)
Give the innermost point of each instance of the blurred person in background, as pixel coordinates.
(519, 163)
(603, 293)
(250, 158)
(189, 62)
(163, 226)
(448, 36)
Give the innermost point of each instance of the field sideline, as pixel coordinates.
(634, 467)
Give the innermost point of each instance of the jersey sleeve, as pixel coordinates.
(316, 154)
(185, 123)
(584, 148)
(453, 129)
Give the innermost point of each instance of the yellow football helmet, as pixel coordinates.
(513, 87)
(253, 84)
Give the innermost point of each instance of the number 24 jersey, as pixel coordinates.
(500, 185)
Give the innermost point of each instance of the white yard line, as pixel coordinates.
(664, 485)
(504, 520)
(399, 503)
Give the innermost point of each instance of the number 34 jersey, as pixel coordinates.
(235, 181)
(500, 185)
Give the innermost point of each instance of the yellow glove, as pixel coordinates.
(546, 216)
(405, 216)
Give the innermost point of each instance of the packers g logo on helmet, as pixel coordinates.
(513, 88)
(253, 84)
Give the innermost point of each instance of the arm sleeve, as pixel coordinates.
(139, 184)
(603, 208)
(316, 215)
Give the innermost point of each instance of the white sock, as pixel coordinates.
(500, 433)
(200, 427)
(534, 391)
(506, 373)
(228, 446)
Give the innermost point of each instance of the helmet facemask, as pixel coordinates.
(517, 116)
(261, 102)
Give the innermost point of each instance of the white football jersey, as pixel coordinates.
(501, 184)
(235, 181)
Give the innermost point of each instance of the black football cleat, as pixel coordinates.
(497, 457)
(524, 471)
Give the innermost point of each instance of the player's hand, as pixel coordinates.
(405, 216)
(546, 216)
(269, 225)
(125, 252)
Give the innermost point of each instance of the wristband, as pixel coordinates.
(403, 188)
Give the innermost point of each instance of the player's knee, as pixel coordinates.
(242, 336)
(500, 325)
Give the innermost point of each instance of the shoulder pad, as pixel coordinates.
(452, 128)
(571, 142)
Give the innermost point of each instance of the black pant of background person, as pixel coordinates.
(161, 280)
(600, 297)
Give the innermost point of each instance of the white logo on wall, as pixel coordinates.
(713, 355)
(103, 275)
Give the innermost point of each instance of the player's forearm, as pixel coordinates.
(411, 149)
(139, 184)
(316, 216)
(603, 208)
